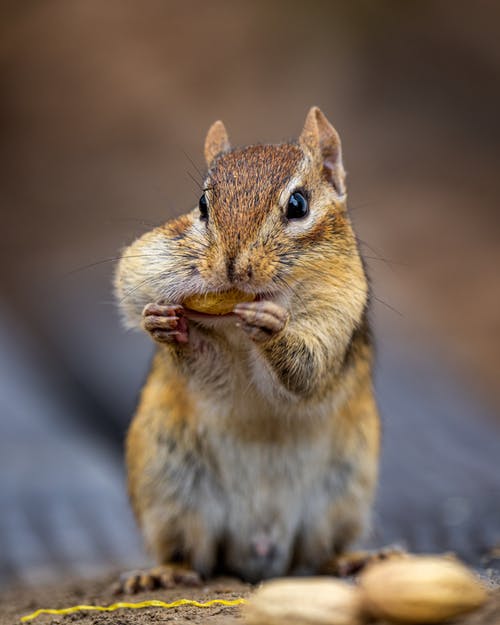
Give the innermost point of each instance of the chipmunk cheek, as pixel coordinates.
(263, 270)
(205, 267)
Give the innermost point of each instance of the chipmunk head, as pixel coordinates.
(269, 217)
(266, 208)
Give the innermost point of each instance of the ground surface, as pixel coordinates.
(20, 602)
(17, 603)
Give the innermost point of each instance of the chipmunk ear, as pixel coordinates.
(321, 138)
(216, 142)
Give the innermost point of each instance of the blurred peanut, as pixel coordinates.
(419, 589)
(311, 601)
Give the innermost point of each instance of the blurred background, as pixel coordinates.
(103, 114)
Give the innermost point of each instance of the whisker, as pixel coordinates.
(141, 284)
(110, 260)
(290, 289)
(200, 173)
(143, 222)
(352, 209)
(200, 186)
(387, 305)
(385, 260)
(378, 254)
(345, 284)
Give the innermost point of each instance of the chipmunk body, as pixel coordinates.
(254, 449)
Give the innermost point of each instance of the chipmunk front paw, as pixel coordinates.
(261, 319)
(163, 576)
(165, 323)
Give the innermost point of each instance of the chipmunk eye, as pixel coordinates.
(298, 206)
(203, 206)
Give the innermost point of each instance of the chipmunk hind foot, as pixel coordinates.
(162, 576)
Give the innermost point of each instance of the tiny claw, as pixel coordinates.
(163, 576)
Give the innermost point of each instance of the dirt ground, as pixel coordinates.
(20, 602)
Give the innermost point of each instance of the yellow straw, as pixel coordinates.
(153, 603)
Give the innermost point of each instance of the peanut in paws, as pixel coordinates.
(217, 303)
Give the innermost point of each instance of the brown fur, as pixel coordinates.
(266, 435)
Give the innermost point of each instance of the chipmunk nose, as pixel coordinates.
(238, 271)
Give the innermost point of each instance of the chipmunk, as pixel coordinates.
(254, 448)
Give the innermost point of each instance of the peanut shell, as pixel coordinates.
(217, 303)
(311, 601)
(420, 589)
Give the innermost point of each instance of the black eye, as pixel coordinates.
(203, 206)
(297, 207)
